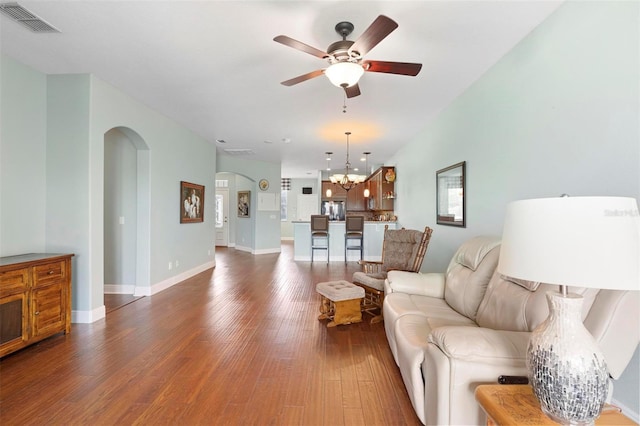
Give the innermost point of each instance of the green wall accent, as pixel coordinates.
(558, 114)
(56, 130)
(23, 108)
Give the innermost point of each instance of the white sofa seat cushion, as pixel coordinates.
(397, 305)
(484, 345)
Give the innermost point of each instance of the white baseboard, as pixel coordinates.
(261, 251)
(268, 251)
(171, 281)
(87, 317)
(119, 288)
(626, 410)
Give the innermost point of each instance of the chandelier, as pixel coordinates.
(347, 180)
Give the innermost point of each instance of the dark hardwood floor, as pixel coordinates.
(117, 301)
(237, 344)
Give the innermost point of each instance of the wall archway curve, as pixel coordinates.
(137, 181)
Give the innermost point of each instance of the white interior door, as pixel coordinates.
(222, 217)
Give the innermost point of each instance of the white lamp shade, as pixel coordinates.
(575, 241)
(343, 74)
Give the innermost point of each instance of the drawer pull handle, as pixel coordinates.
(50, 273)
(37, 313)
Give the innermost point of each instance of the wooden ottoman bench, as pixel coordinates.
(340, 302)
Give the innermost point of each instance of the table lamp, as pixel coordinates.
(591, 242)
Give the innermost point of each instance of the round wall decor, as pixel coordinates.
(263, 184)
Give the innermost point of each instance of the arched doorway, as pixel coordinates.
(126, 216)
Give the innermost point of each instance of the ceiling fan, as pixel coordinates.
(345, 57)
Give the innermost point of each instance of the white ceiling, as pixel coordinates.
(214, 67)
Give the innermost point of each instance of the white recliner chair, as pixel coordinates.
(451, 332)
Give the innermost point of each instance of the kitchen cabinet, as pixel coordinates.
(382, 189)
(35, 299)
(355, 198)
(337, 192)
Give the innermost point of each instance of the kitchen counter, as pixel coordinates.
(373, 237)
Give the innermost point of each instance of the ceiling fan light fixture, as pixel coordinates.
(344, 74)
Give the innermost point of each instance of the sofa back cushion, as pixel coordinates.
(516, 305)
(469, 273)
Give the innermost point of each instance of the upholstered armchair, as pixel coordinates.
(402, 250)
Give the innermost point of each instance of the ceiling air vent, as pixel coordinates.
(26, 18)
(239, 151)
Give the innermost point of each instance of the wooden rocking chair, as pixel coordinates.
(402, 250)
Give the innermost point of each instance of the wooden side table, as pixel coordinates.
(516, 405)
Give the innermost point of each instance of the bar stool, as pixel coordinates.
(319, 232)
(354, 230)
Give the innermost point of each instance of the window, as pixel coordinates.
(285, 187)
(283, 205)
(219, 211)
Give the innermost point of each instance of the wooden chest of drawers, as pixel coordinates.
(35, 298)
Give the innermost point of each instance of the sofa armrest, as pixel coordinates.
(431, 284)
(450, 382)
(481, 345)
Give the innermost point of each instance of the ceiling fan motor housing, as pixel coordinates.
(339, 52)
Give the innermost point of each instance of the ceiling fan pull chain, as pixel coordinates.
(344, 104)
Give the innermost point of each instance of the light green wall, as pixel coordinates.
(260, 233)
(23, 109)
(176, 154)
(558, 114)
(56, 132)
(67, 184)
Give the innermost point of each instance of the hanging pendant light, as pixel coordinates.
(347, 180)
(366, 170)
(328, 192)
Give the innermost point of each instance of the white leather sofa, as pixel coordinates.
(450, 332)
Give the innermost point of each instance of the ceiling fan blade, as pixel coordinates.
(352, 91)
(402, 68)
(288, 41)
(377, 31)
(303, 77)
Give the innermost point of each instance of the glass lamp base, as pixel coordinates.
(567, 370)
